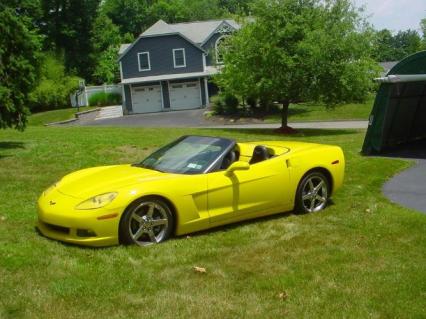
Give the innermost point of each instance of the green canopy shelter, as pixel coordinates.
(399, 112)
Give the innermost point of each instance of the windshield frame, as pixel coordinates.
(212, 166)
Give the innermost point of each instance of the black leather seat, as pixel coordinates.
(230, 158)
(260, 153)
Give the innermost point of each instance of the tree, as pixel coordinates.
(106, 41)
(19, 62)
(67, 25)
(384, 46)
(423, 27)
(299, 50)
(406, 43)
(131, 16)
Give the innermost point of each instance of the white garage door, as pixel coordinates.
(185, 95)
(146, 99)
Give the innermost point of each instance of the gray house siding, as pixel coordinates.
(203, 92)
(210, 47)
(161, 56)
(166, 97)
(127, 98)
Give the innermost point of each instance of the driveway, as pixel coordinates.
(408, 188)
(195, 118)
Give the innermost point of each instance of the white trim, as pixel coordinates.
(210, 70)
(201, 95)
(215, 30)
(204, 62)
(121, 71)
(168, 90)
(206, 91)
(174, 58)
(139, 61)
(215, 48)
(162, 98)
(131, 99)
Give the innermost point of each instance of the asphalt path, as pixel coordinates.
(408, 188)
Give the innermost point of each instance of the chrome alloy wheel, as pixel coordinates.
(148, 223)
(314, 193)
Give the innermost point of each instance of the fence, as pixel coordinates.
(83, 99)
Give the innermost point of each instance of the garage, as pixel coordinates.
(147, 99)
(398, 118)
(185, 95)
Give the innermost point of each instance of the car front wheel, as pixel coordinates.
(147, 221)
(312, 193)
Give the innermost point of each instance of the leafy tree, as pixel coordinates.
(55, 86)
(67, 25)
(384, 46)
(131, 16)
(106, 41)
(423, 27)
(19, 61)
(299, 50)
(406, 43)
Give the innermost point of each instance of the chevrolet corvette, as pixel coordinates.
(191, 184)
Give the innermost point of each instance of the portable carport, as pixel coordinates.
(399, 111)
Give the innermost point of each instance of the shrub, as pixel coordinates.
(218, 104)
(54, 88)
(251, 101)
(104, 99)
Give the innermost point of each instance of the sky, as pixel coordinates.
(394, 15)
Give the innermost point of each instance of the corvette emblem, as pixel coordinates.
(52, 202)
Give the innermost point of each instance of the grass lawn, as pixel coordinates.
(363, 257)
(42, 118)
(316, 112)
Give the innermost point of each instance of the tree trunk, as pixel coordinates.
(284, 114)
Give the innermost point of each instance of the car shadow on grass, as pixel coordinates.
(255, 220)
(10, 146)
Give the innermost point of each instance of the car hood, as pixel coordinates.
(98, 180)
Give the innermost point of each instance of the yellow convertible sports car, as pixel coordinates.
(191, 184)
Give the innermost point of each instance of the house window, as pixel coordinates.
(179, 60)
(220, 47)
(144, 61)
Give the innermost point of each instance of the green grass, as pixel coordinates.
(38, 119)
(317, 112)
(363, 257)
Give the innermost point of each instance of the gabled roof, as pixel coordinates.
(197, 33)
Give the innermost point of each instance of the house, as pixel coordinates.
(168, 66)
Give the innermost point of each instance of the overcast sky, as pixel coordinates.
(394, 14)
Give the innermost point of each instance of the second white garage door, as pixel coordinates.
(184, 95)
(147, 99)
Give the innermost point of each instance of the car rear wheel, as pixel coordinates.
(147, 221)
(312, 193)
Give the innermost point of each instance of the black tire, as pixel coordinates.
(310, 195)
(146, 221)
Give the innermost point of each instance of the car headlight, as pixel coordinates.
(97, 201)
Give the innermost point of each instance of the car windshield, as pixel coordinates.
(188, 155)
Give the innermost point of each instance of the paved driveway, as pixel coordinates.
(408, 188)
(195, 118)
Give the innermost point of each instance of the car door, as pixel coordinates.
(260, 190)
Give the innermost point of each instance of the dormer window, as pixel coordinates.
(144, 61)
(179, 60)
(220, 46)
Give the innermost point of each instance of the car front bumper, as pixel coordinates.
(58, 219)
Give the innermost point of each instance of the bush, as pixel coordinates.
(225, 104)
(252, 102)
(104, 99)
(54, 88)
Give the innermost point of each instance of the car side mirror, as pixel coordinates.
(237, 166)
